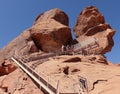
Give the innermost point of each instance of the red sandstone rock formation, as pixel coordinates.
(55, 14)
(90, 23)
(7, 67)
(50, 30)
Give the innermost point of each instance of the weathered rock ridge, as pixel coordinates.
(90, 23)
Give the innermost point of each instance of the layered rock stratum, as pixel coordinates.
(40, 45)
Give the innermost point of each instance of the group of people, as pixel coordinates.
(66, 49)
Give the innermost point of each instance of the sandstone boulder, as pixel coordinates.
(7, 67)
(50, 31)
(90, 23)
(55, 14)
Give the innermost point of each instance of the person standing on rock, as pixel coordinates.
(63, 49)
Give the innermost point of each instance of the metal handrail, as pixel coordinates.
(40, 76)
(36, 75)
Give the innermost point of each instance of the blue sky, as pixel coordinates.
(18, 15)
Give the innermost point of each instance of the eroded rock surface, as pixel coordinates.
(55, 14)
(50, 30)
(18, 83)
(7, 67)
(102, 78)
(21, 45)
(91, 23)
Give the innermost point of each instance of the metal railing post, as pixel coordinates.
(58, 88)
(39, 84)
